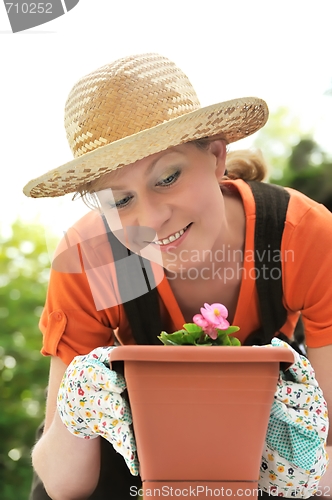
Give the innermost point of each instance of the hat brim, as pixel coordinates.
(230, 120)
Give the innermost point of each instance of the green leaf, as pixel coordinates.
(172, 338)
(226, 340)
(229, 331)
(190, 339)
(197, 337)
(193, 328)
(178, 338)
(165, 340)
(206, 343)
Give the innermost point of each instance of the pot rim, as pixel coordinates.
(197, 354)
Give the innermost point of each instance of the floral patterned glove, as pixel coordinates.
(294, 457)
(90, 404)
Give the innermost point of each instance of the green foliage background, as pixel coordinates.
(24, 272)
(294, 158)
(309, 170)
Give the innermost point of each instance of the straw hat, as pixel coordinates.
(133, 108)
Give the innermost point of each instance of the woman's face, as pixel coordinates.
(168, 207)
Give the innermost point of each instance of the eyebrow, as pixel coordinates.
(148, 170)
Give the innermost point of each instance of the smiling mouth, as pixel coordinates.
(172, 237)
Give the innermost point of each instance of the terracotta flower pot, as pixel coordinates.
(200, 416)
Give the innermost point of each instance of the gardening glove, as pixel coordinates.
(294, 457)
(90, 405)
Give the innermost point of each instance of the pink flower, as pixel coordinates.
(200, 321)
(207, 328)
(210, 324)
(215, 315)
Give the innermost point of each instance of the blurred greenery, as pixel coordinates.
(278, 137)
(294, 158)
(309, 170)
(24, 272)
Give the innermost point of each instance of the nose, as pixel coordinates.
(152, 212)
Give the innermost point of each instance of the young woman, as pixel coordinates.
(153, 163)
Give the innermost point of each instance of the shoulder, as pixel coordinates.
(308, 229)
(301, 207)
(83, 244)
(89, 229)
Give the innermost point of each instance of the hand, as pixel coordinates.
(294, 457)
(90, 404)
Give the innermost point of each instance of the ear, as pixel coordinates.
(218, 149)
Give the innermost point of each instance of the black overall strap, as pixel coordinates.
(143, 311)
(271, 208)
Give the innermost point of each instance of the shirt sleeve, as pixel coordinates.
(81, 310)
(308, 270)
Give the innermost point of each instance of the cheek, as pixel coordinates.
(208, 212)
(207, 199)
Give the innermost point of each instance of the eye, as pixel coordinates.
(170, 179)
(123, 202)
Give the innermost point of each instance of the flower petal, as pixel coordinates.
(223, 324)
(200, 321)
(211, 332)
(210, 316)
(207, 306)
(221, 308)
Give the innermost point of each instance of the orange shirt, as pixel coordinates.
(82, 311)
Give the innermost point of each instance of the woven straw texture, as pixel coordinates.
(135, 107)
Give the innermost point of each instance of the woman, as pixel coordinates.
(153, 163)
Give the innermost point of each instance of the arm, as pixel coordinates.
(307, 282)
(307, 287)
(72, 325)
(60, 454)
(321, 360)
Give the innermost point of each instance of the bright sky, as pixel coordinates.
(277, 50)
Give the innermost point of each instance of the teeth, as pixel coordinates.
(171, 238)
